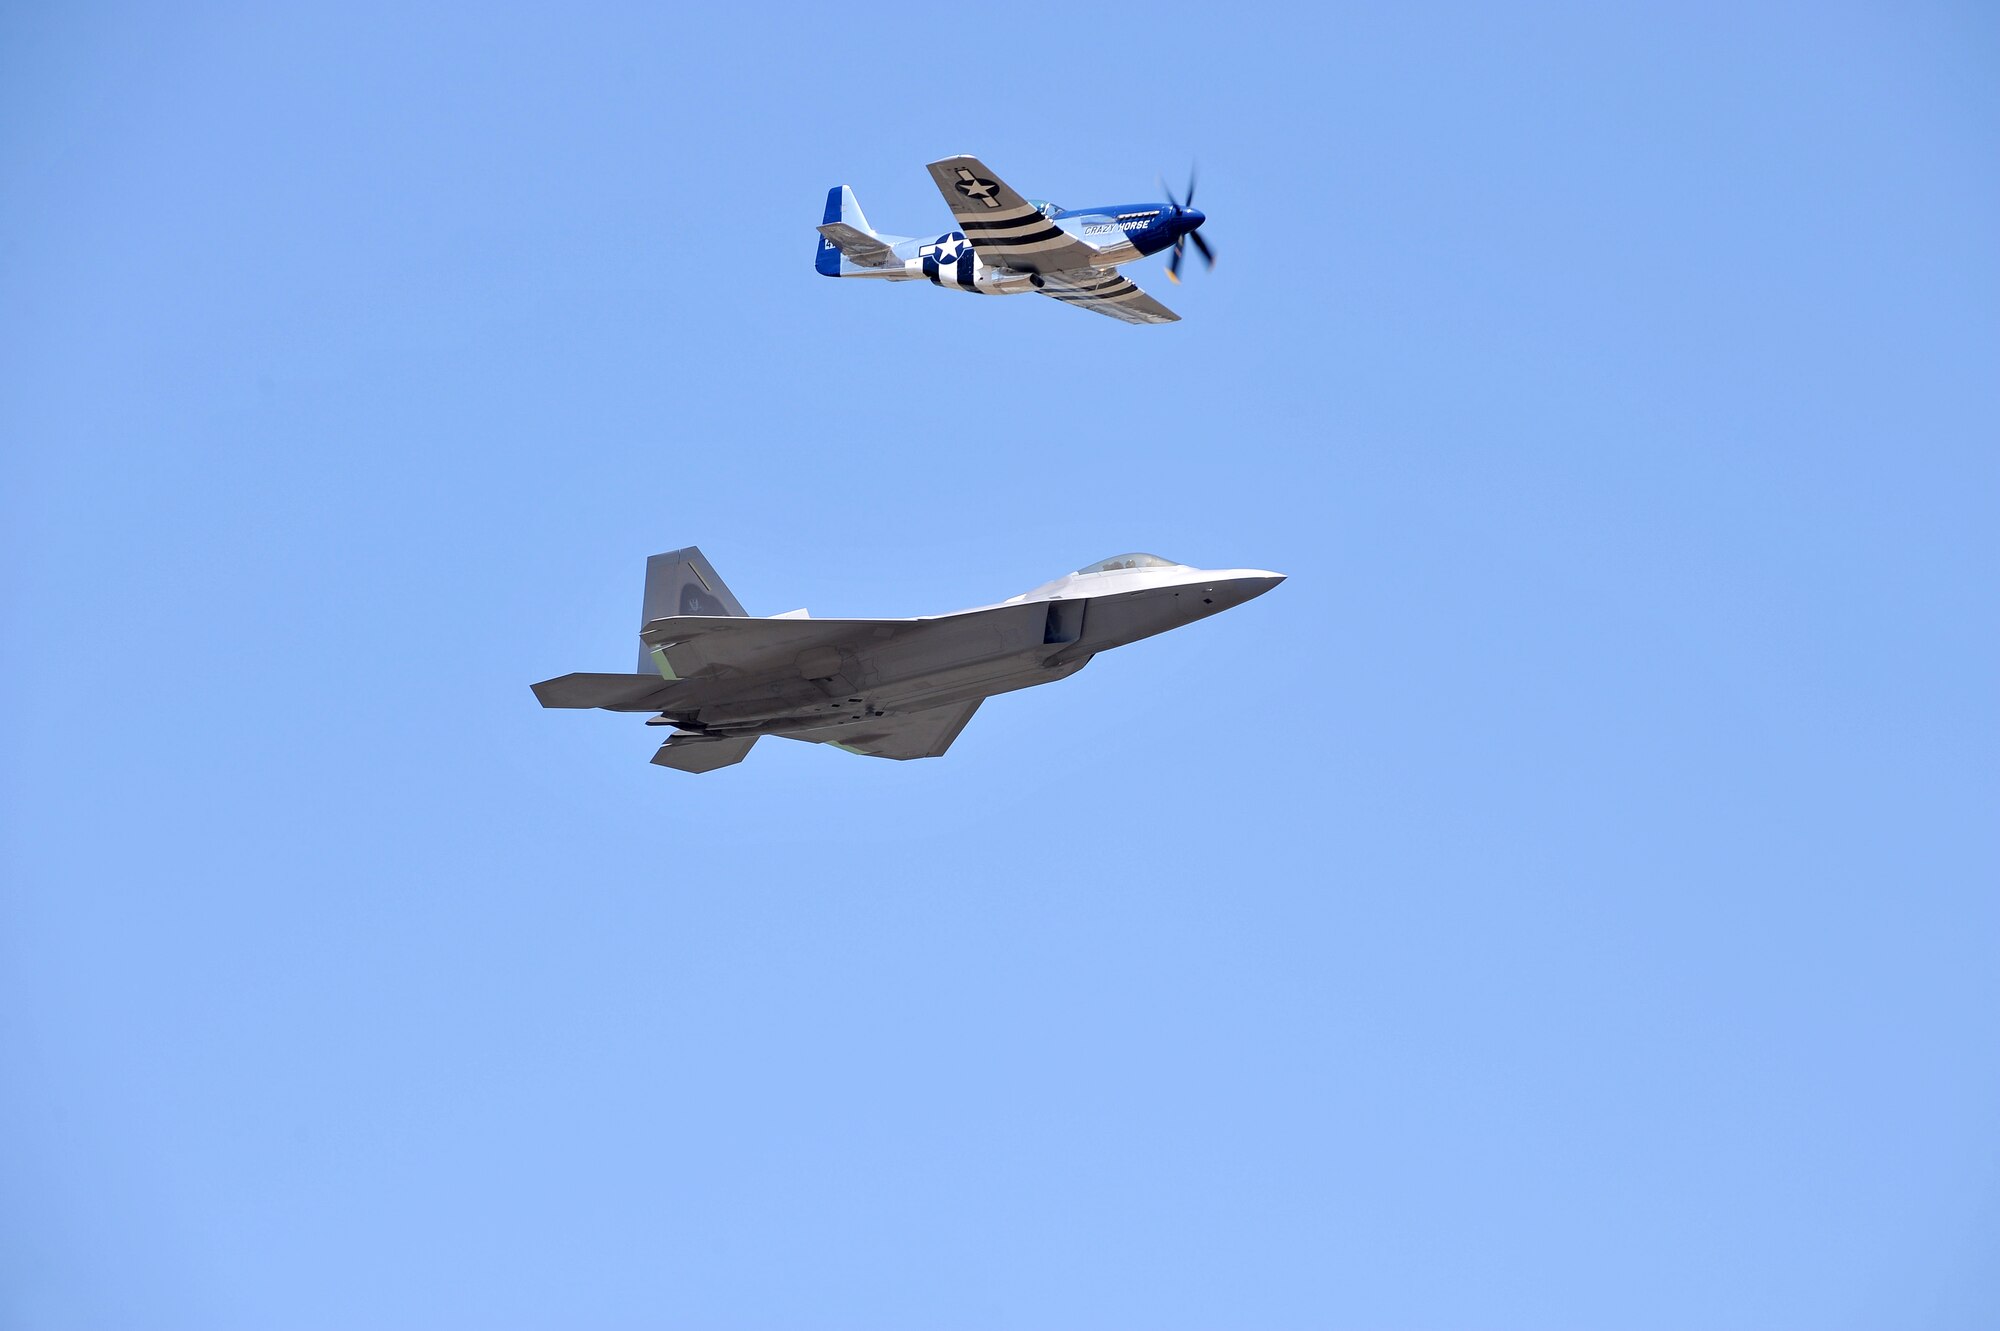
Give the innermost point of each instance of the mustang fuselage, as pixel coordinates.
(1117, 233)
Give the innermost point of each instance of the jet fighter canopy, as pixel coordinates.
(1135, 560)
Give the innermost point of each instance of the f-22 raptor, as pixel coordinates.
(886, 688)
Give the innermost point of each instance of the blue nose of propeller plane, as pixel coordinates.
(1185, 225)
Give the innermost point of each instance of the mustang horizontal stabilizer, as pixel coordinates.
(1105, 291)
(860, 247)
(1006, 230)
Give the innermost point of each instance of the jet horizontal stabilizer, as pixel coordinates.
(691, 753)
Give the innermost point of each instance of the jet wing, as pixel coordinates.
(924, 734)
(614, 693)
(1106, 291)
(683, 646)
(1005, 229)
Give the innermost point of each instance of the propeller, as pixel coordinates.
(1180, 241)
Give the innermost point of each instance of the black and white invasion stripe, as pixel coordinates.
(1023, 232)
(1113, 286)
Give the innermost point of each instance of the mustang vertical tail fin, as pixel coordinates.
(682, 582)
(843, 212)
(841, 207)
(846, 233)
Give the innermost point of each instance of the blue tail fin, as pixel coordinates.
(840, 208)
(827, 261)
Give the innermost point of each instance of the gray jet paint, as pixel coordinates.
(886, 688)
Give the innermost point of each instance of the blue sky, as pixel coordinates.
(1569, 901)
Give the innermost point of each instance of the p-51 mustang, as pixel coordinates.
(1007, 244)
(886, 688)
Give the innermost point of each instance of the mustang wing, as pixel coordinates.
(1005, 229)
(1105, 291)
(924, 734)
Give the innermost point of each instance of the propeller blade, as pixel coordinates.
(1169, 193)
(1201, 245)
(1174, 264)
(1190, 197)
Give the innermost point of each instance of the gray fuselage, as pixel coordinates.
(903, 666)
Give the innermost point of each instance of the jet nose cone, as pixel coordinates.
(1240, 585)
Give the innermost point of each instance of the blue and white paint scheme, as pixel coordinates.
(1005, 244)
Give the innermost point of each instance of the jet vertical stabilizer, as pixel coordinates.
(682, 582)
